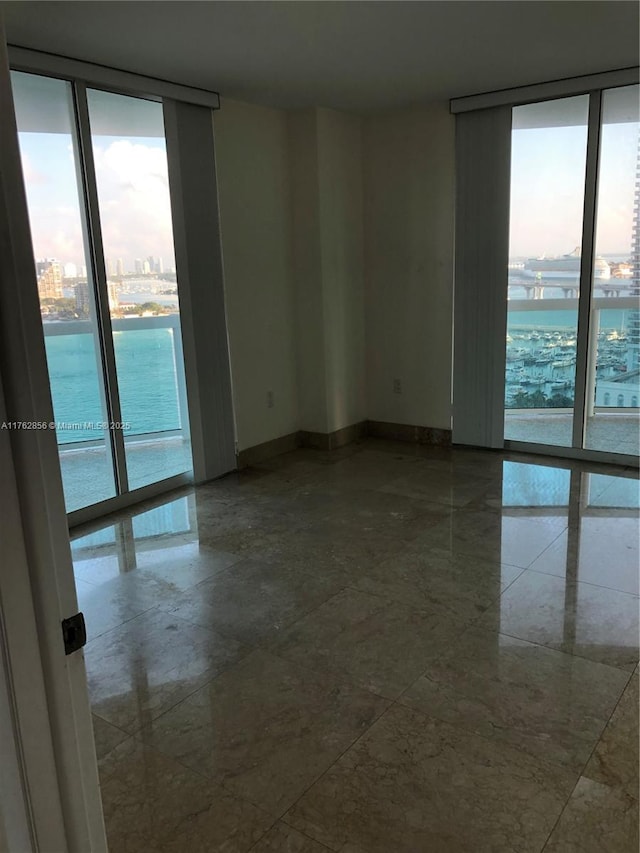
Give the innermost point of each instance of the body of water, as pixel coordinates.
(145, 362)
(610, 318)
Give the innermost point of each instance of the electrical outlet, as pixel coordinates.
(397, 386)
(270, 402)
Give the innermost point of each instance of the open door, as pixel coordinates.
(49, 791)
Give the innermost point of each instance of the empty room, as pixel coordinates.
(319, 426)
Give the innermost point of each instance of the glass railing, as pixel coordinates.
(161, 408)
(155, 421)
(541, 369)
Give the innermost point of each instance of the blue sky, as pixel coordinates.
(548, 167)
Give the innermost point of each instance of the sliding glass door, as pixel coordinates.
(129, 154)
(613, 385)
(95, 172)
(548, 160)
(571, 373)
(66, 287)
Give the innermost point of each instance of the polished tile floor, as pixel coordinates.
(386, 649)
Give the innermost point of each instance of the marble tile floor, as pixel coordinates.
(386, 649)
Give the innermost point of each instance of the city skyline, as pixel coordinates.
(114, 267)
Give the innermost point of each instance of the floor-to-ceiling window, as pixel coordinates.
(95, 171)
(573, 383)
(129, 154)
(613, 379)
(548, 159)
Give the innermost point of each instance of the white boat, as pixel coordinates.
(565, 267)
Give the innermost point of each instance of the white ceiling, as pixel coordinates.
(347, 55)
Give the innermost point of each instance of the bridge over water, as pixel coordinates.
(536, 289)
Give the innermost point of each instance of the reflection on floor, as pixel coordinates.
(613, 433)
(386, 649)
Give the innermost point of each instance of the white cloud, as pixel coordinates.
(56, 233)
(31, 175)
(134, 200)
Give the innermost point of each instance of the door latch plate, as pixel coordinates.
(74, 633)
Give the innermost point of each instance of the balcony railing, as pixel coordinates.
(170, 322)
(613, 397)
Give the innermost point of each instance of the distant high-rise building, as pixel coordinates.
(146, 267)
(633, 318)
(160, 266)
(110, 266)
(112, 296)
(82, 299)
(119, 267)
(49, 273)
(152, 263)
(138, 266)
(70, 271)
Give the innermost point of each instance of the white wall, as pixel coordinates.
(255, 212)
(337, 237)
(409, 218)
(326, 163)
(340, 182)
(307, 262)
